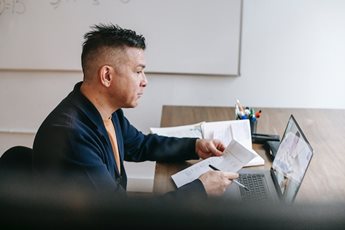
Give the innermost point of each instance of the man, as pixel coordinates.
(86, 138)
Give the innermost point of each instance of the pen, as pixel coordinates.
(240, 106)
(236, 181)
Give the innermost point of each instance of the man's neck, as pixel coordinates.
(98, 99)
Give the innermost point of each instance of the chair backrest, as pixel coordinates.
(16, 161)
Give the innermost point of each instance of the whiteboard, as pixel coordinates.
(183, 36)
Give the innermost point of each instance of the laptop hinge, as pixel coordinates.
(276, 184)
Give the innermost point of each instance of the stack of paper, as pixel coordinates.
(193, 130)
(226, 131)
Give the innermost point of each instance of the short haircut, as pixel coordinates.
(108, 36)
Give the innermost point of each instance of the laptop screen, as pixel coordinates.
(292, 160)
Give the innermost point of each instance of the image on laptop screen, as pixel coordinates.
(292, 160)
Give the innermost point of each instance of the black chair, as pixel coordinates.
(16, 162)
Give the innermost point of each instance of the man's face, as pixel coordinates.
(129, 78)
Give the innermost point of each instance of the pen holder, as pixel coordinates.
(253, 125)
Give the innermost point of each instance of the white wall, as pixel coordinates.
(293, 55)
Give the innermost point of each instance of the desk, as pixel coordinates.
(324, 128)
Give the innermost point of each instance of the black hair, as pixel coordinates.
(110, 35)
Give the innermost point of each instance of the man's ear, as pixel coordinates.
(105, 75)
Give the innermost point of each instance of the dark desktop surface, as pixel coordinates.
(24, 205)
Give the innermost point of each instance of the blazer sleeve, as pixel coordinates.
(141, 147)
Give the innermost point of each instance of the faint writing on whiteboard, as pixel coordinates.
(12, 6)
(57, 3)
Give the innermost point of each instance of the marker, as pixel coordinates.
(236, 182)
(237, 110)
(258, 113)
(252, 113)
(240, 106)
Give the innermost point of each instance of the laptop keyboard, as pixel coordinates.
(256, 185)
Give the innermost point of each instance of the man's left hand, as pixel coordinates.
(207, 148)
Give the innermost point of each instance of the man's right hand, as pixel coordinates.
(216, 182)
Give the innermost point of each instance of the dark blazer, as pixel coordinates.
(73, 143)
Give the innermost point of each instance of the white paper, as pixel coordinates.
(193, 130)
(226, 131)
(234, 157)
(229, 130)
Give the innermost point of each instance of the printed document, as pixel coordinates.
(193, 130)
(234, 157)
(226, 131)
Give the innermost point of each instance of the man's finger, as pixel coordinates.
(231, 175)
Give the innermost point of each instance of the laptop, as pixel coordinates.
(283, 180)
